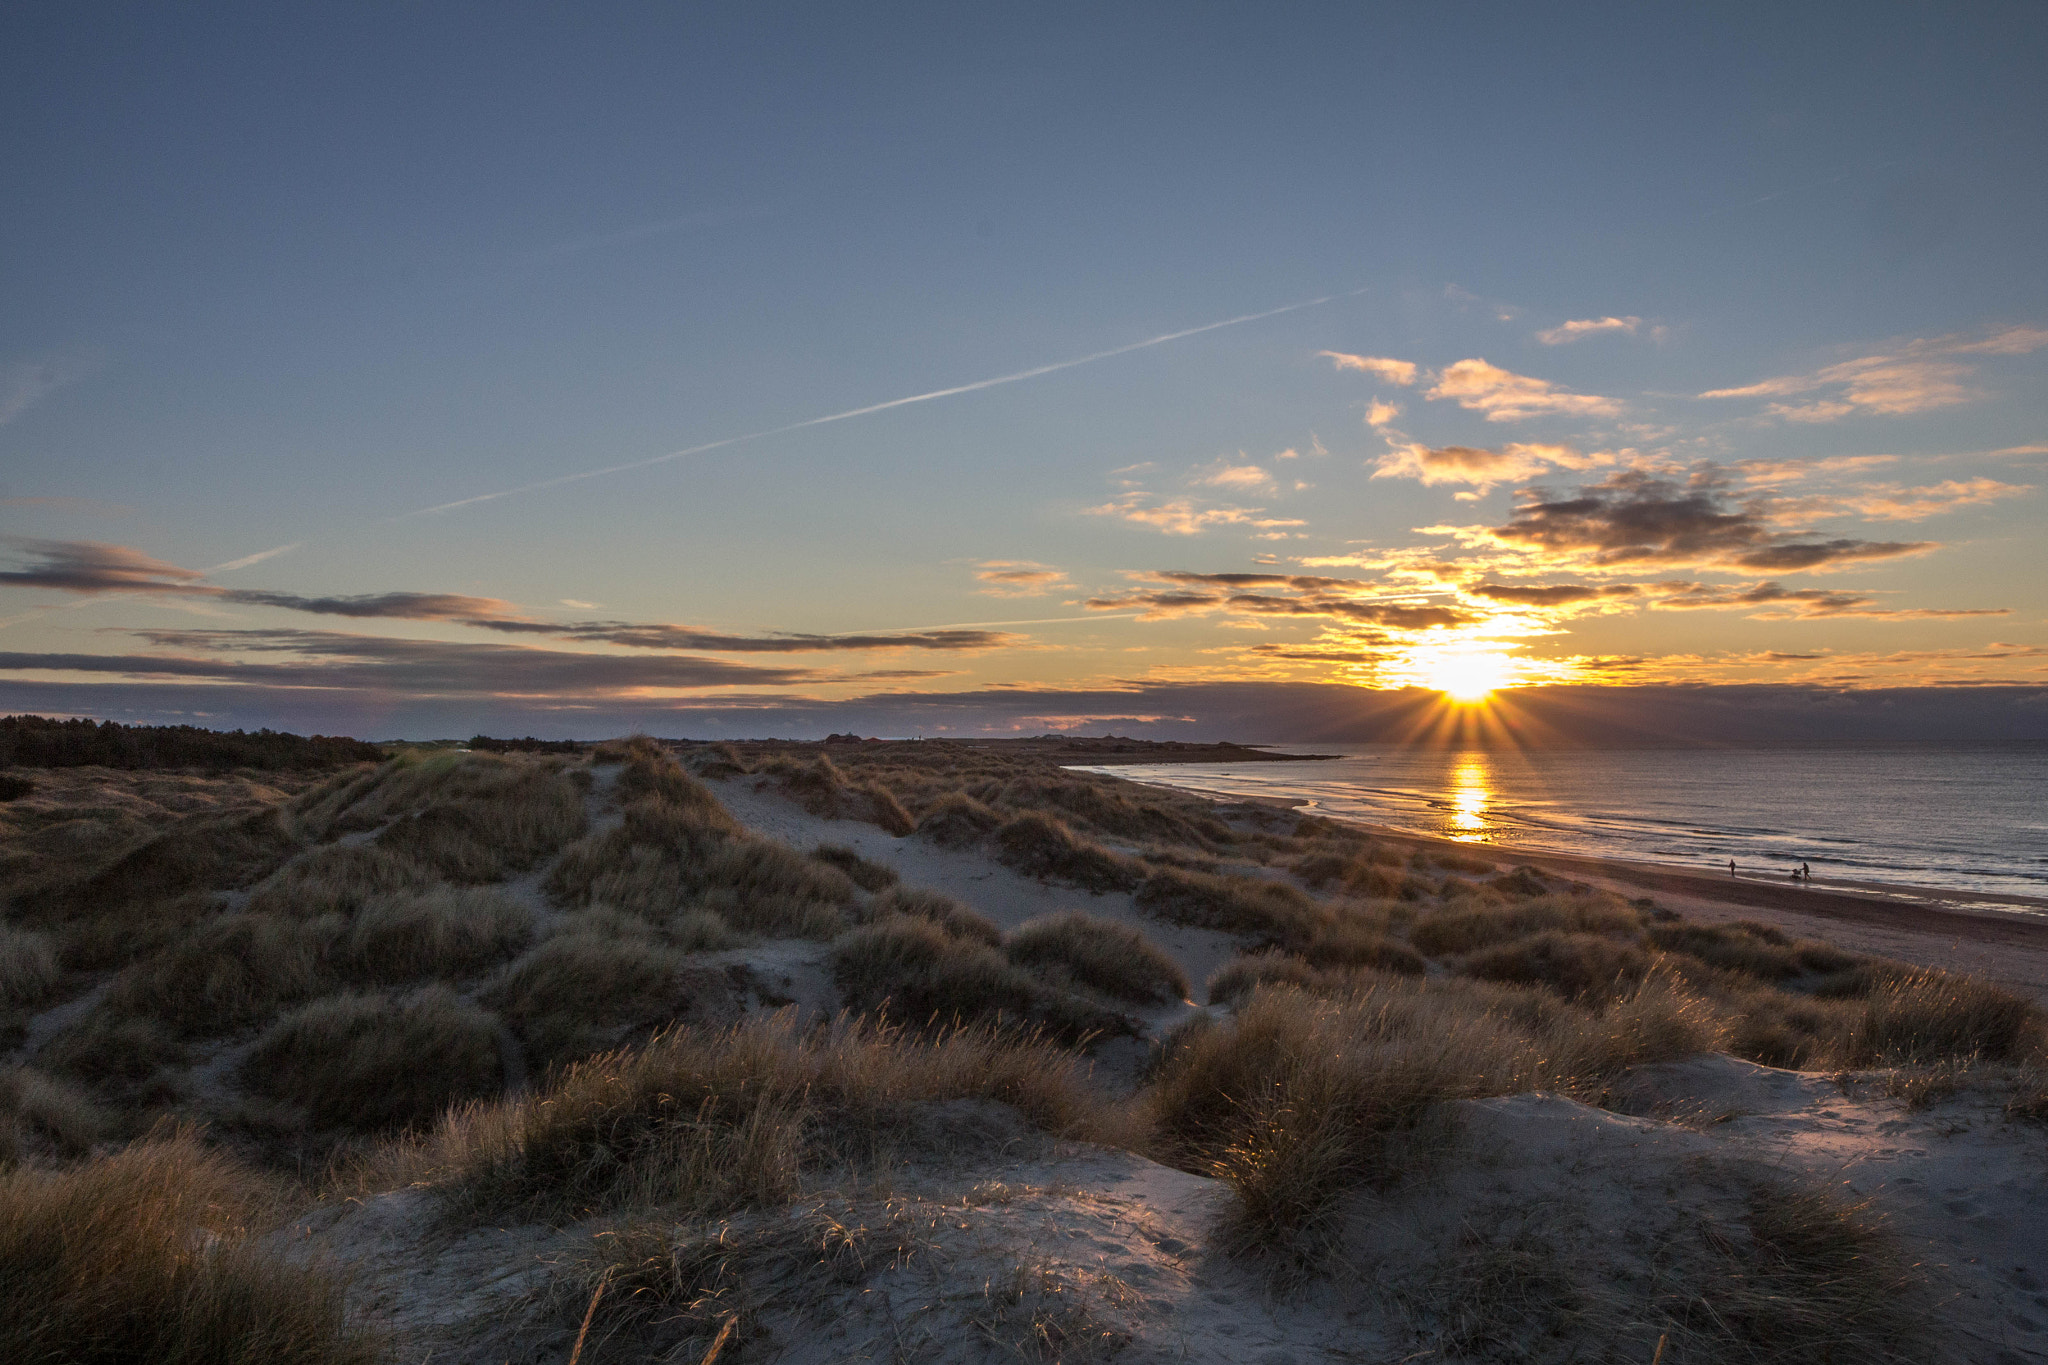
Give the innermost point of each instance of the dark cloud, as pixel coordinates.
(92, 567)
(89, 566)
(1299, 582)
(1562, 595)
(1776, 600)
(414, 668)
(400, 606)
(1313, 597)
(1638, 518)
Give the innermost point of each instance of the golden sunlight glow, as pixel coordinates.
(1467, 677)
(1469, 794)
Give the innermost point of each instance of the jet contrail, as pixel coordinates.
(975, 387)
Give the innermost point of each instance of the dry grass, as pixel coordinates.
(667, 1289)
(1752, 949)
(678, 851)
(1099, 954)
(337, 880)
(1583, 966)
(42, 1116)
(957, 918)
(229, 972)
(1257, 911)
(914, 971)
(1044, 846)
(146, 1256)
(496, 828)
(958, 820)
(710, 1121)
(1468, 929)
(29, 973)
(868, 876)
(582, 991)
(820, 788)
(372, 1062)
(445, 933)
(1302, 1098)
(1929, 1016)
(115, 1053)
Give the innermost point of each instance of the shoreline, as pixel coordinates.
(2001, 936)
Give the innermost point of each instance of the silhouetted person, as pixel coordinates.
(1731, 867)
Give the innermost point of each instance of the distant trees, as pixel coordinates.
(529, 745)
(40, 742)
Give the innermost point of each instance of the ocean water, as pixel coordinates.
(1962, 820)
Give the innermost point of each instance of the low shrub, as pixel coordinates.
(1354, 942)
(958, 820)
(1932, 1016)
(1101, 955)
(112, 1051)
(146, 1255)
(1579, 965)
(823, 790)
(41, 1116)
(1042, 846)
(337, 879)
(868, 876)
(29, 973)
(1233, 983)
(1258, 911)
(711, 1120)
(955, 917)
(1756, 950)
(503, 829)
(370, 1062)
(447, 933)
(232, 971)
(1468, 928)
(575, 993)
(913, 971)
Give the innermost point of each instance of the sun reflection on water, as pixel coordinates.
(1470, 790)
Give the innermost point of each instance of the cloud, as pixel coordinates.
(24, 385)
(1559, 595)
(1785, 471)
(1635, 518)
(1479, 466)
(1888, 502)
(1287, 595)
(246, 560)
(1400, 372)
(1567, 332)
(1019, 578)
(89, 567)
(1187, 516)
(1508, 397)
(1802, 604)
(1235, 476)
(1379, 414)
(1918, 376)
(406, 668)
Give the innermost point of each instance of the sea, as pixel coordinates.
(1971, 820)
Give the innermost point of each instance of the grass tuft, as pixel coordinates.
(1100, 954)
(1044, 846)
(372, 1062)
(146, 1256)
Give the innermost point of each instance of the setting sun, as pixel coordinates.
(1468, 677)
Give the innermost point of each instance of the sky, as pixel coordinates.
(409, 370)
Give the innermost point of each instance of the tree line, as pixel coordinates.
(41, 742)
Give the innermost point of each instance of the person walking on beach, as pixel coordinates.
(1731, 867)
(1805, 873)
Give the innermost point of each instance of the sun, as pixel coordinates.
(1468, 677)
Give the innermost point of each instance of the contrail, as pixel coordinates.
(979, 384)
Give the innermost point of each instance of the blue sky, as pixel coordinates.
(287, 278)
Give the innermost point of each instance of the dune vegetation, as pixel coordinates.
(532, 984)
